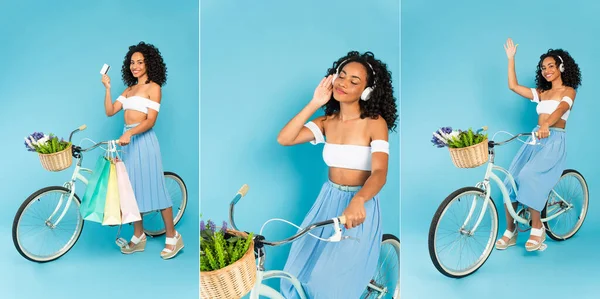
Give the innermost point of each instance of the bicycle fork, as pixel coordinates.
(484, 185)
(70, 185)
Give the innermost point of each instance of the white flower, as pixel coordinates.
(33, 140)
(453, 135)
(438, 135)
(28, 143)
(43, 140)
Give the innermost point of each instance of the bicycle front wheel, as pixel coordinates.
(36, 235)
(570, 197)
(386, 282)
(455, 249)
(153, 222)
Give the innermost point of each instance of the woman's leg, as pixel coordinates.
(138, 230)
(167, 215)
(537, 236)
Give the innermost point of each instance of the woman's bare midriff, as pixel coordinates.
(561, 123)
(348, 177)
(134, 117)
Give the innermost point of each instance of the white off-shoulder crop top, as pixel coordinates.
(348, 156)
(138, 103)
(549, 106)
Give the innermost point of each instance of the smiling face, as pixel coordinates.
(137, 65)
(550, 69)
(350, 83)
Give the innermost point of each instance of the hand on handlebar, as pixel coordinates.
(355, 214)
(124, 139)
(543, 132)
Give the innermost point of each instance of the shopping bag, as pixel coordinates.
(112, 208)
(129, 209)
(94, 198)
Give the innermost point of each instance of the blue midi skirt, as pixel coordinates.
(335, 269)
(537, 169)
(143, 162)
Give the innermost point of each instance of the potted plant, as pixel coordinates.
(55, 154)
(468, 149)
(227, 267)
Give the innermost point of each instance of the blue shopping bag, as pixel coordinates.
(94, 199)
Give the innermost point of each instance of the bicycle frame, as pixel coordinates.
(486, 186)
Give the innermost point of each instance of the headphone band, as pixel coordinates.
(337, 71)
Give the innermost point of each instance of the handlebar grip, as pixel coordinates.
(342, 219)
(243, 190)
(82, 127)
(484, 128)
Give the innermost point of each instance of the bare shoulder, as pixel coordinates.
(570, 92)
(378, 128)
(155, 92)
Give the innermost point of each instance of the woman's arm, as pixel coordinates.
(109, 107)
(355, 212)
(513, 84)
(294, 131)
(379, 163)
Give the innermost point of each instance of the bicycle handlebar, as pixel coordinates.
(494, 143)
(79, 149)
(335, 221)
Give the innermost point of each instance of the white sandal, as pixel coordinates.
(512, 239)
(176, 241)
(139, 243)
(533, 245)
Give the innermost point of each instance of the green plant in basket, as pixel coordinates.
(219, 248)
(45, 144)
(446, 137)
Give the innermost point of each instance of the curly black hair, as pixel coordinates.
(571, 76)
(155, 66)
(382, 101)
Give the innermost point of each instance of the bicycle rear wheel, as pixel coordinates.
(153, 222)
(455, 250)
(33, 228)
(386, 282)
(573, 189)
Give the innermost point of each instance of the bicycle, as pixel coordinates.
(557, 205)
(54, 225)
(375, 287)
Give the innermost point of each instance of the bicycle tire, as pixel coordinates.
(435, 221)
(22, 208)
(579, 223)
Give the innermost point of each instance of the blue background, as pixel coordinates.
(52, 54)
(260, 64)
(454, 73)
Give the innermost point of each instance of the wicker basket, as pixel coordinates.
(233, 281)
(57, 161)
(471, 156)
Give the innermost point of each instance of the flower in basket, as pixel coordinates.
(219, 248)
(447, 137)
(45, 144)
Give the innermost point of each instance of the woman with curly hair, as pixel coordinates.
(360, 109)
(144, 72)
(537, 168)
